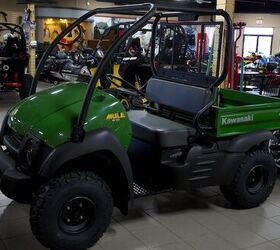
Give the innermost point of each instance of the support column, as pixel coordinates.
(228, 6)
(32, 51)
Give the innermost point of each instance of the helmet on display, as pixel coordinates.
(6, 37)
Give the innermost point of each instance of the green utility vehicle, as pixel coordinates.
(74, 152)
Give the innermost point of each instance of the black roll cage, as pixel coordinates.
(4, 14)
(147, 11)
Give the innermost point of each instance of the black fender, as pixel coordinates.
(243, 143)
(100, 139)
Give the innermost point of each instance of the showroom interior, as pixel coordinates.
(139, 125)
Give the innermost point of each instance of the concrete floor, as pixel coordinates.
(200, 219)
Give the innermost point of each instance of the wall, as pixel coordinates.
(80, 4)
(270, 21)
(11, 6)
(13, 10)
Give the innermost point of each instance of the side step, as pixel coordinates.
(140, 191)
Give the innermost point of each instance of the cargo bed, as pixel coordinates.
(239, 112)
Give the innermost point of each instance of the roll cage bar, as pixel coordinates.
(4, 14)
(14, 28)
(147, 11)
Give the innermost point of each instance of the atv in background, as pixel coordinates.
(14, 60)
(68, 66)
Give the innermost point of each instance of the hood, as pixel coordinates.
(51, 114)
(36, 108)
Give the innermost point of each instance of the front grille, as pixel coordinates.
(17, 146)
(12, 141)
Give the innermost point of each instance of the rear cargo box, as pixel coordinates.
(239, 112)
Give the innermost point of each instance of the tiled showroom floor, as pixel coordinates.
(199, 219)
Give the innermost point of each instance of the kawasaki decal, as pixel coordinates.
(237, 120)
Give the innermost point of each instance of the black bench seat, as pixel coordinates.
(163, 132)
(158, 130)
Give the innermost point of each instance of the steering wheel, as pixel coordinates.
(134, 96)
(75, 39)
(134, 91)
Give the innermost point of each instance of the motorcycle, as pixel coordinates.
(63, 66)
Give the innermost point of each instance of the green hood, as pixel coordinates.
(34, 109)
(50, 115)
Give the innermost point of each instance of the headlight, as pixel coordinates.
(29, 154)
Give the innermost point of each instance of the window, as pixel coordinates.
(257, 40)
(258, 31)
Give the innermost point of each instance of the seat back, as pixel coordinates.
(185, 98)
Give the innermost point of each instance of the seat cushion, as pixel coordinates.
(158, 130)
(185, 98)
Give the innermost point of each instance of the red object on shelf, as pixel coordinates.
(66, 46)
(121, 32)
(16, 77)
(13, 84)
(233, 68)
(198, 42)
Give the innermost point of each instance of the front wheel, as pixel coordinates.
(71, 211)
(253, 181)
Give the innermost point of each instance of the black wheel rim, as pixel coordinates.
(256, 179)
(274, 147)
(77, 215)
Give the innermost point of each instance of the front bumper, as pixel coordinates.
(13, 183)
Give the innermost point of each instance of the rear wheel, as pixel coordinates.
(25, 89)
(253, 181)
(72, 211)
